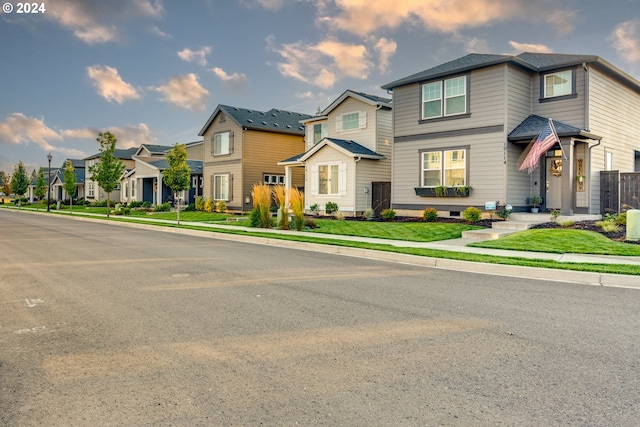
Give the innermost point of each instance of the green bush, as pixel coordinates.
(221, 206)
(566, 223)
(388, 214)
(209, 205)
(314, 208)
(621, 219)
(608, 226)
(472, 214)
(200, 203)
(164, 207)
(430, 214)
(331, 208)
(190, 208)
(369, 214)
(310, 223)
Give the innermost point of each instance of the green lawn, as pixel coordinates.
(555, 240)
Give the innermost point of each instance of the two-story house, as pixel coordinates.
(348, 154)
(468, 122)
(92, 190)
(144, 182)
(242, 148)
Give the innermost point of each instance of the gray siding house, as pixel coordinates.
(467, 123)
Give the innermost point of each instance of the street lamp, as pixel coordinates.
(49, 157)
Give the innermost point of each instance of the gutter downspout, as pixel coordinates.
(355, 186)
(590, 180)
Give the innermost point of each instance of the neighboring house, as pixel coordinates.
(144, 182)
(57, 182)
(30, 194)
(242, 148)
(92, 190)
(468, 121)
(348, 154)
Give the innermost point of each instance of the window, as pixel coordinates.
(221, 187)
(328, 179)
(558, 84)
(91, 190)
(133, 189)
(608, 166)
(454, 102)
(448, 168)
(351, 121)
(272, 179)
(221, 143)
(319, 132)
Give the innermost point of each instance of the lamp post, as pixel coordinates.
(49, 157)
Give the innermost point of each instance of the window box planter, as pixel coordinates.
(443, 192)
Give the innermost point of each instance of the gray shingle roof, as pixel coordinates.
(119, 153)
(160, 149)
(273, 120)
(194, 165)
(354, 148)
(532, 62)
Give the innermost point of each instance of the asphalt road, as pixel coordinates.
(103, 325)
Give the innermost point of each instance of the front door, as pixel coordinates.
(554, 183)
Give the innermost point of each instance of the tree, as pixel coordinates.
(6, 185)
(70, 183)
(19, 181)
(3, 180)
(41, 185)
(178, 175)
(108, 170)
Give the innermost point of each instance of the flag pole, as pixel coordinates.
(553, 129)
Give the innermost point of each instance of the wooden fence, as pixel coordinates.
(619, 192)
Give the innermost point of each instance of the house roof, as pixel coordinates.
(162, 164)
(364, 97)
(274, 120)
(533, 125)
(119, 153)
(532, 62)
(76, 163)
(154, 149)
(348, 147)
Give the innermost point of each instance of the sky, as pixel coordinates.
(153, 71)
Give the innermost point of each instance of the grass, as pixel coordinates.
(561, 241)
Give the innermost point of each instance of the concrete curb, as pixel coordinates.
(556, 275)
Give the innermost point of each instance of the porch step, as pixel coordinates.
(485, 234)
(512, 225)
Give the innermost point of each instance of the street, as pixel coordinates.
(107, 325)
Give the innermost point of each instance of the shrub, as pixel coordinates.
(369, 214)
(472, 214)
(209, 206)
(555, 213)
(280, 196)
(430, 214)
(315, 209)
(164, 207)
(296, 200)
(262, 204)
(502, 211)
(200, 203)
(310, 223)
(566, 223)
(221, 206)
(608, 226)
(190, 208)
(331, 207)
(339, 216)
(388, 214)
(621, 219)
(135, 204)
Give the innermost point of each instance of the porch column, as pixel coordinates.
(288, 179)
(568, 177)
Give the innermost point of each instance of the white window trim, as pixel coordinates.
(362, 121)
(443, 167)
(443, 98)
(342, 179)
(228, 143)
(544, 84)
(216, 196)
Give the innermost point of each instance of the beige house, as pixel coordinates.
(466, 123)
(242, 147)
(92, 190)
(348, 154)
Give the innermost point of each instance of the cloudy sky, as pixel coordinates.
(152, 71)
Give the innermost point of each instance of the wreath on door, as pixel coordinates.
(556, 168)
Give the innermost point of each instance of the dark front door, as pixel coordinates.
(380, 196)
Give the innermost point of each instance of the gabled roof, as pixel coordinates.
(153, 149)
(361, 96)
(532, 62)
(119, 153)
(162, 164)
(533, 125)
(79, 173)
(274, 120)
(347, 147)
(76, 163)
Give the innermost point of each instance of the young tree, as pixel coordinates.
(178, 175)
(108, 170)
(41, 185)
(70, 183)
(6, 183)
(19, 182)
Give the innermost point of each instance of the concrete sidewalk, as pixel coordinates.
(455, 245)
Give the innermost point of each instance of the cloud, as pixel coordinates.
(110, 85)
(528, 47)
(324, 63)
(128, 136)
(85, 18)
(625, 39)
(385, 49)
(476, 45)
(158, 32)
(198, 56)
(563, 21)
(184, 91)
(19, 129)
(238, 81)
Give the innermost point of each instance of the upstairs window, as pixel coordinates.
(222, 143)
(444, 98)
(351, 121)
(558, 84)
(319, 132)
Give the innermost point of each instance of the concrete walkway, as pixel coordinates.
(455, 245)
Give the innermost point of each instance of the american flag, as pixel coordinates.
(541, 144)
